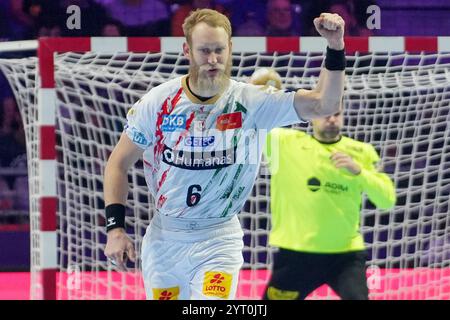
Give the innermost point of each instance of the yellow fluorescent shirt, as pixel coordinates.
(315, 206)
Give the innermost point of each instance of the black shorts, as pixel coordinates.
(296, 274)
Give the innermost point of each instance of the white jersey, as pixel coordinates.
(201, 158)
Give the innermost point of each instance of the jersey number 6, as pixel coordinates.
(193, 197)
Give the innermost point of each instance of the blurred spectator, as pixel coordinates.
(250, 26)
(183, 11)
(6, 201)
(12, 138)
(20, 185)
(12, 155)
(4, 22)
(280, 18)
(32, 16)
(346, 9)
(111, 29)
(139, 17)
(9, 116)
(50, 31)
(353, 13)
(246, 15)
(24, 17)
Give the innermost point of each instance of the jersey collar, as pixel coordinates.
(193, 98)
(323, 142)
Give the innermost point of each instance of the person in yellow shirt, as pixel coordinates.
(317, 182)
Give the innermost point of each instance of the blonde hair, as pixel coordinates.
(212, 18)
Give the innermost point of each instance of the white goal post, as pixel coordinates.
(74, 96)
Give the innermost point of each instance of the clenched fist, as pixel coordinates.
(331, 27)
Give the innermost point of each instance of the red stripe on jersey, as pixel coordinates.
(159, 146)
(158, 132)
(163, 179)
(176, 98)
(162, 199)
(147, 163)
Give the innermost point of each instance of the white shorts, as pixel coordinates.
(192, 259)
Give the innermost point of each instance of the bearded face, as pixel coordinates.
(330, 132)
(328, 129)
(209, 54)
(210, 77)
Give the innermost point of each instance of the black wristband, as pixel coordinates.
(115, 216)
(335, 59)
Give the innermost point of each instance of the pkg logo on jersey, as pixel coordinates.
(173, 122)
(199, 141)
(166, 293)
(217, 284)
(229, 121)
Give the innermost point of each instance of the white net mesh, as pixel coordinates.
(397, 102)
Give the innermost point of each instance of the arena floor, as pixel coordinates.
(392, 284)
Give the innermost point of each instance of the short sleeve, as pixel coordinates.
(140, 127)
(273, 108)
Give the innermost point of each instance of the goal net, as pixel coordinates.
(397, 101)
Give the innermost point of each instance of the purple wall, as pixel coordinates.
(15, 250)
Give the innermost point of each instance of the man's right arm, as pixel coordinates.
(325, 98)
(124, 155)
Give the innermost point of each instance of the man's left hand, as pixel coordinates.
(342, 160)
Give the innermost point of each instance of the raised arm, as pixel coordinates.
(325, 98)
(115, 187)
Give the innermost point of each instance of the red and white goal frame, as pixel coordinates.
(47, 97)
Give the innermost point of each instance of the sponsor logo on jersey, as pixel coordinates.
(277, 294)
(199, 160)
(238, 193)
(217, 284)
(229, 121)
(139, 138)
(173, 122)
(166, 293)
(199, 141)
(314, 184)
(335, 187)
(199, 125)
